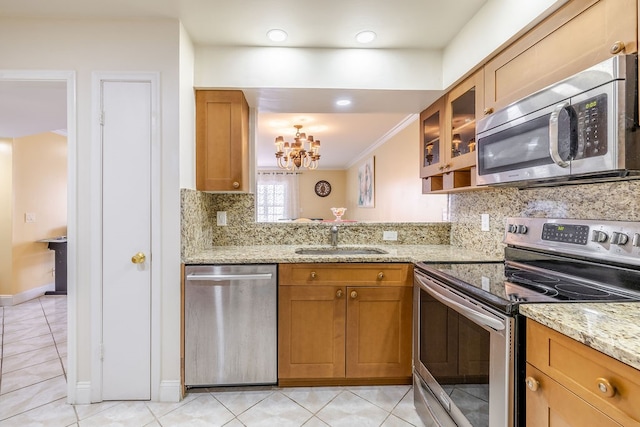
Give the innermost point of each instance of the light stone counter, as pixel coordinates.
(286, 254)
(611, 328)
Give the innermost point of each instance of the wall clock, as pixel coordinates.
(323, 188)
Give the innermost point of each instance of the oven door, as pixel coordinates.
(463, 358)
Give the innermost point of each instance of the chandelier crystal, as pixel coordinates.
(292, 156)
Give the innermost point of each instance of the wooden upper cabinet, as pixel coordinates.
(578, 35)
(448, 132)
(222, 141)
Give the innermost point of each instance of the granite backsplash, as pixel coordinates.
(616, 201)
(610, 201)
(199, 229)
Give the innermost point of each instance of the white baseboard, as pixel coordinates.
(82, 394)
(170, 391)
(8, 300)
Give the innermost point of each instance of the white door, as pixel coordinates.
(126, 232)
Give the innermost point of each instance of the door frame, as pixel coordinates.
(69, 77)
(96, 229)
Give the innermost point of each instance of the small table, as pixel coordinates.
(59, 246)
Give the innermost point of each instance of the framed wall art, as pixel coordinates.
(366, 174)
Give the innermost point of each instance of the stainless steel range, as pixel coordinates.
(468, 336)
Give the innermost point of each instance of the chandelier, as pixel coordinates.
(294, 156)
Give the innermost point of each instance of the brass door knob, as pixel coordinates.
(138, 258)
(354, 294)
(339, 293)
(380, 275)
(488, 111)
(617, 47)
(313, 275)
(605, 387)
(236, 184)
(532, 383)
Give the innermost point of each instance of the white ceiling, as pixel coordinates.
(400, 24)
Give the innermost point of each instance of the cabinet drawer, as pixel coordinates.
(553, 405)
(382, 274)
(584, 370)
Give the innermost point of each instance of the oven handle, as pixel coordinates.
(469, 312)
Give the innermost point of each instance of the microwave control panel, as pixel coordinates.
(592, 127)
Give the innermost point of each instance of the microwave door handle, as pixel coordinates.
(553, 135)
(472, 314)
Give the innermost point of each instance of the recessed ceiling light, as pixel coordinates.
(276, 35)
(343, 102)
(365, 36)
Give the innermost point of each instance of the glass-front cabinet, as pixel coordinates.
(448, 132)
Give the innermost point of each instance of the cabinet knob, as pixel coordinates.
(617, 47)
(380, 275)
(313, 275)
(339, 293)
(488, 111)
(532, 383)
(236, 184)
(354, 294)
(605, 387)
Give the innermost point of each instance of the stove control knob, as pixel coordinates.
(521, 229)
(599, 236)
(511, 228)
(619, 238)
(636, 240)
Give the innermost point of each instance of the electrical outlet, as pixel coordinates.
(29, 217)
(484, 222)
(389, 235)
(485, 283)
(221, 217)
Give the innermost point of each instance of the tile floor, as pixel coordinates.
(33, 343)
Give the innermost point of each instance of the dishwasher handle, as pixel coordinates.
(228, 277)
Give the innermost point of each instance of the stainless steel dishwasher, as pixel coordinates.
(230, 325)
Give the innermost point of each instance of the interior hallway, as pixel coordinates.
(33, 392)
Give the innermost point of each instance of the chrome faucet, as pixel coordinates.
(334, 235)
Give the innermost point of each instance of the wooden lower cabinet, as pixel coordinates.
(552, 405)
(571, 384)
(329, 334)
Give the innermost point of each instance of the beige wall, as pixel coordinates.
(40, 188)
(397, 186)
(6, 215)
(314, 206)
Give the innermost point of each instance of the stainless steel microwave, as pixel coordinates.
(581, 129)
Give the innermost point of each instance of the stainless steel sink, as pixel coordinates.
(340, 251)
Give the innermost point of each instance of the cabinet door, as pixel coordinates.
(577, 36)
(222, 141)
(311, 327)
(432, 147)
(552, 405)
(464, 106)
(379, 332)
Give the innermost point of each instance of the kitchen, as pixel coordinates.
(120, 53)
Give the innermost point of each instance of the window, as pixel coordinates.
(276, 196)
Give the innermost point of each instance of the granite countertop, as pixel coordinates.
(611, 328)
(286, 254)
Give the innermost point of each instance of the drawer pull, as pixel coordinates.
(532, 383)
(339, 293)
(354, 294)
(313, 275)
(605, 387)
(380, 275)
